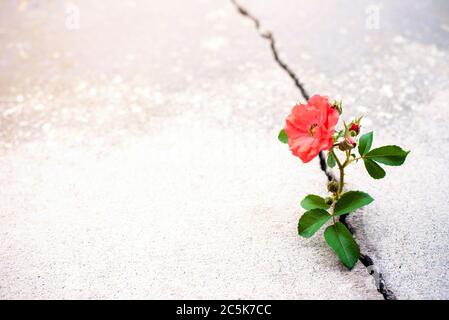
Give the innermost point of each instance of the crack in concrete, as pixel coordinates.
(370, 266)
(269, 36)
(364, 259)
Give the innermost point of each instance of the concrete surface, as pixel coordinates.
(139, 158)
(397, 75)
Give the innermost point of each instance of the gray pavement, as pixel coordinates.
(397, 74)
(139, 156)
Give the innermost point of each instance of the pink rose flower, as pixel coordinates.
(310, 127)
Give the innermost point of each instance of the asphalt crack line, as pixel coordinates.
(371, 267)
(364, 259)
(269, 36)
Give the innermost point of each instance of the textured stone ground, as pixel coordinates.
(139, 159)
(398, 76)
(139, 156)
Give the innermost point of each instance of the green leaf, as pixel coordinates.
(312, 221)
(340, 239)
(350, 201)
(283, 136)
(365, 143)
(330, 160)
(374, 169)
(389, 155)
(313, 201)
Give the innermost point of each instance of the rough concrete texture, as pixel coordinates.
(397, 75)
(139, 158)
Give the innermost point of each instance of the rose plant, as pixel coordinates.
(309, 130)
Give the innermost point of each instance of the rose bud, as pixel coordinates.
(355, 127)
(332, 186)
(347, 144)
(352, 142)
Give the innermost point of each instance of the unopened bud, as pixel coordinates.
(347, 144)
(332, 186)
(355, 127)
(351, 142)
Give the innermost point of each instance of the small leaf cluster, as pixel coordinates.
(387, 155)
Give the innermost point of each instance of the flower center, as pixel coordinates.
(312, 129)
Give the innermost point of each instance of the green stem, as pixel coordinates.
(342, 180)
(341, 168)
(335, 157)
